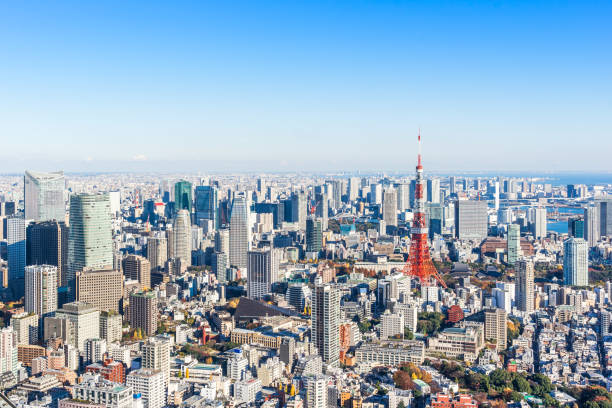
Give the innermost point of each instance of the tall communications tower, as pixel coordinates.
(419, 262)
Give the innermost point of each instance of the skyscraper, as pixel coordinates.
(513, 243)
(90, 242)
(390, 207)
(298, 209)
(314, 235)
(353, 190)
(207, 205)
(525, 294)
(143, 311)
(575, 227)
(181, 236)
(326, 322)
(239, 233)
(44, 196)
(605, 217)
(262, 272)
(316, 391)
(403, 196)
(471, 220)
(41, 289)
(591, 225)
(539, 226)
(16, 248)
(47, 244)
(321, 209)
(182, 196)
(575, 262)
(157, 252)
(433, 190)
(137, 268)
(375, 193)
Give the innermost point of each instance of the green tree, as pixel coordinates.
(500, 378)
(408, 335)
(520, 384)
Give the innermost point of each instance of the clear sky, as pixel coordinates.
(254, 85)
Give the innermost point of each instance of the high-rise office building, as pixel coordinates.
(496, 327)
(403, 196)
(513, 243)
(41, 289)
(452, 183)
(138, 268)
(325, 330)
(102, 288)
(44, 196)
(262, 272)
(376, 193)
(390, 208)
(47, 244)
(206, 205)
(496, 195)
(143, 311)
(181, 237)
(605, 217)
(219, 264)
(433, 190)
(471, 221)
(7, 208)
(321, 210)
(90, 242)
(539, 226)
(157, 252)
(16, 251)
(591, 225)
(353, 188)
(525, 291)
(222, 240)
(74, 323)
(575, 262)
(575, 227)
(314, 235)
(298, 209)
(239, 233)
(182, 196)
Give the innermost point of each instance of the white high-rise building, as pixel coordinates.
(95, 350)
(325, 314)
(353, 191)
(8, 351)
(41, 289)
(591, 225)
(316, 391)
(156, 355)
(539, 224)
(262, 272)
(604, 322)
(392, 324)
(149, 384)
(433, 190)
(181, 234)
(496, 195)
(525, 291)
(376, 193)
(575, 262)
(403, 196)
(44, 196)
(239, 233)
(75, 322)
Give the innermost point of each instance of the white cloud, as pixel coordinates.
(139, 157)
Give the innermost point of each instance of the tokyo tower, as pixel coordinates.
(419, 263)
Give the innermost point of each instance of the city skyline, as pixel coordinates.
(188, 87)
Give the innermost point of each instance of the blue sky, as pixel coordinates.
(176, 86)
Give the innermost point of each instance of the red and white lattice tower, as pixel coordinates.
(419, 262)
